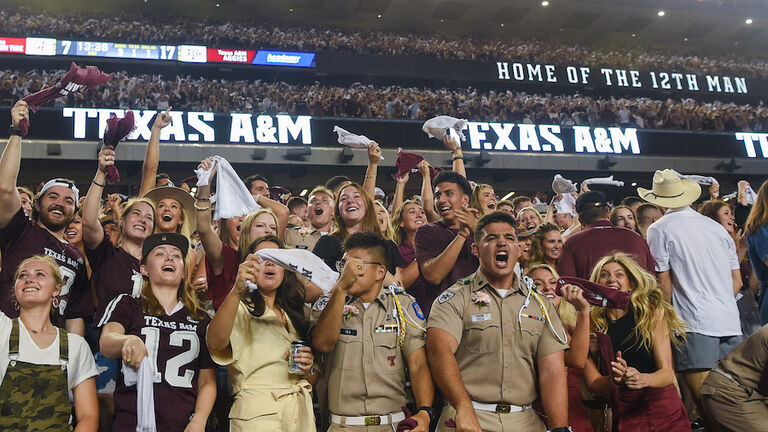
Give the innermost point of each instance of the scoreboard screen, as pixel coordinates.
(116, 50)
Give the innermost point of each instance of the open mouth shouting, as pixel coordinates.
(501, 259)
(168, 268)
(166, 217)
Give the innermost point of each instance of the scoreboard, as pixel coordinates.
(139, 51)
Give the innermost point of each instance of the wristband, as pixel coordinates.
(561, 429)
(429, 411)
(462, 235)
(13, 131)
(455, 158)
(97, 184)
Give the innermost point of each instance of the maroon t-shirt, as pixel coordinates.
(114, 272)
(431, 240)
(584, 249)
(418, 289)
(21, 239)
(176, 345)
(220, 284)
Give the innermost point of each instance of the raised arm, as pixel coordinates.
(10, 202)
(220, 328)
(427, 194)
(399, 197)
(328, 327)
(152, 155)
(436, 269)
(457, 156)
(576, 356)
(93, 233)
(211, 242)
(374, 154)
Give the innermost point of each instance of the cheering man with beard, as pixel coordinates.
(444, 248)
(21, 238)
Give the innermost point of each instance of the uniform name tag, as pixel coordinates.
(481, 317)
(349, 332)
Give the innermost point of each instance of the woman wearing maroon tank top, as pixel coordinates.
(642, 371)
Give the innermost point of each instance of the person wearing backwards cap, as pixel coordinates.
(698, 268)
(600, 238)
(167, 325)
(21, 238)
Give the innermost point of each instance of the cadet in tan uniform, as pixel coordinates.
(736, 391)
(369, 334)
(492, 338)
(320, 213)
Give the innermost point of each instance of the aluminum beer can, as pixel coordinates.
(293, 366)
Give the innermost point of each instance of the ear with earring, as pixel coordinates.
(55, 302)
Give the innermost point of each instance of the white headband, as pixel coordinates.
(58, 182)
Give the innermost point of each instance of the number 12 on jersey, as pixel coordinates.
(173, 365)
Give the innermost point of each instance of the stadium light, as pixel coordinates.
(378, 16)
(304, 192)
(661, 13)
(508, 196)
(748, 21)
(545, 3)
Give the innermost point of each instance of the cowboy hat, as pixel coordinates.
(178, 194)
(670, 191)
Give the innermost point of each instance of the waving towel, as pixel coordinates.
(353, 140)
(232, 197)
(596, 294)
(436, 127)
(562, 186)
(603, 181)
(408, 163)
(566, 205)
(702, 180)
(145, 400)
(116, 131)
(749, 195)
(303, 263)
(75, 80)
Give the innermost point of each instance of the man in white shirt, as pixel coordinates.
(698, 269)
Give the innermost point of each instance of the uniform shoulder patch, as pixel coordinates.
(444, 297)
(321, 303)
(417, 309)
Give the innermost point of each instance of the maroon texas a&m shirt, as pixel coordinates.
(23, 238)
(177, 349)
(115, 272)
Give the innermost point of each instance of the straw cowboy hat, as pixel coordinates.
(180, 195)
(670, 191)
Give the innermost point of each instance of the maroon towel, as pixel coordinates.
(77, 79)
(409, 161)
(279, 193)
(596, 294)
(116, 131)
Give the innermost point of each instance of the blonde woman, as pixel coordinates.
(167, 325)
(34, 383)
(483, 199)
(642, 371)
(385, 224)
(574, 314)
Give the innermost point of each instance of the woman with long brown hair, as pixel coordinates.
(166, 326)
(757, 245)
(546, 245)
(642, 372)
(354, 212)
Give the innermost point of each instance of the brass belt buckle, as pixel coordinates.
(372, 420)
(503, 408)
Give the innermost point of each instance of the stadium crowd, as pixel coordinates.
(124, 27)
(215, 304)
(368, 101)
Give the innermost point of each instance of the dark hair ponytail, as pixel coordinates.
(289, 296)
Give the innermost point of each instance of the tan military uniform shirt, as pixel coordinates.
(748, 362)
(294, 239)
(366, 369)
(496, 355)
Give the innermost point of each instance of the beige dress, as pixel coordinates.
(267, 397)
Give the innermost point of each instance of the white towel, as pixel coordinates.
(702, 180)
(233, 199)
(603, 181)
(436, 127)
(749, 195)
(567, 204)
(304, 263)
(562, 186)
(145, 398)
(353, 140)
